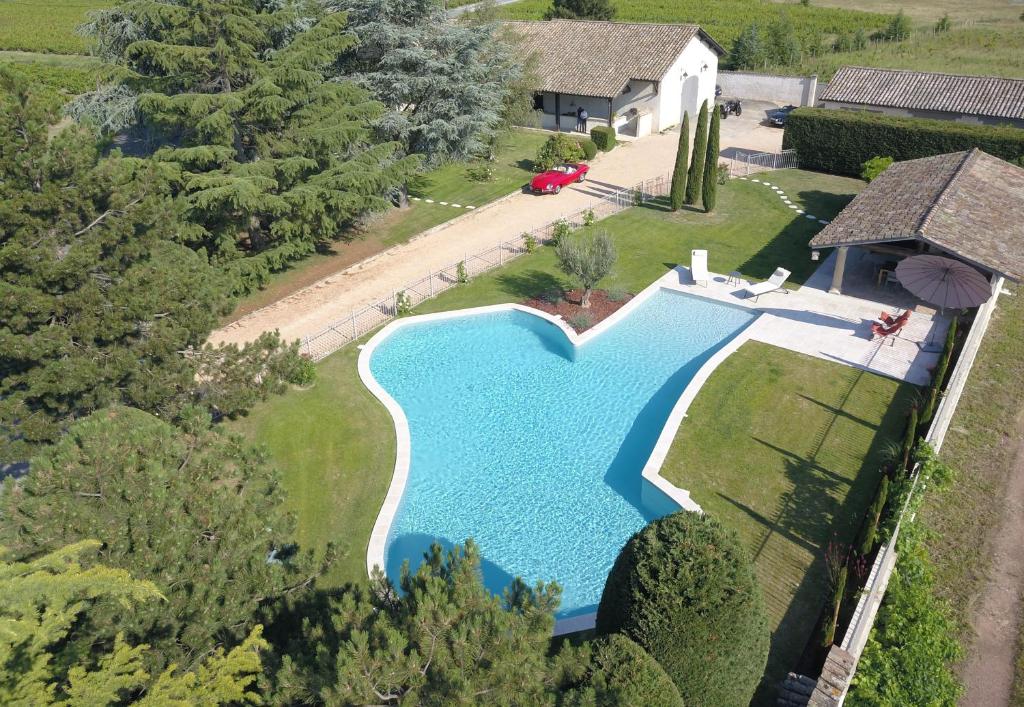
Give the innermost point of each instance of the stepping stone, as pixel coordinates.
(756, 181)
(794, 207)
(821, 220)
(429, 201)
(416, 198)
(812, 217)
(776, 189)
(743, 179)
(767, 184)
(457, 206)
(470, 207)
(443, 203)
(799, 211)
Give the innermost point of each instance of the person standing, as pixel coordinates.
(581, 119)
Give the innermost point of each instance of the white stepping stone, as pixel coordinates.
(821, 220)
(429, 201)
(767, 184)
(443, 203)
(470, 207)
(756, 181)
(776, 189)
(743, 179)
(457, 206)
(799, 211)
(794, 207)
(811, 217)
(416, 198)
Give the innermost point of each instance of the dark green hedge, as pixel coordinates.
(684, 589)
(841, 141)
(616, 672)
(603, 137)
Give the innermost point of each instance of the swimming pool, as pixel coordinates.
(533, 446)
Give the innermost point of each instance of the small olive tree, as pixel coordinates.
(588, 259)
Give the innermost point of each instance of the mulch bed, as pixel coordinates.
(567, 305)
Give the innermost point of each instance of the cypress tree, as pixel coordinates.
(678, 192)
(710, 186)
(700, 148)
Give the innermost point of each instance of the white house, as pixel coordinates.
(638, 77)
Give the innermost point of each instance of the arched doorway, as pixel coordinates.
(691, 96)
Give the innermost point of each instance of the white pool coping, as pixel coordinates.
(375, 551)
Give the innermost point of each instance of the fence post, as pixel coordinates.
(430, 279)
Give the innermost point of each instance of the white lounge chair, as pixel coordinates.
(775, 282)
(699, 266)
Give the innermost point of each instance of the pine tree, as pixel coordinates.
(274, 159)
(710, 187)
(446, 85)
(42, 600)
(99, 300)
(695, 178)
(678, 193)
(580, 10)
(197, 513)
(748, 49)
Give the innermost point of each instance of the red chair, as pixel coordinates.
(888, 327)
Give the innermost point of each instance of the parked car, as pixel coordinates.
(552, 181)
(778, 116)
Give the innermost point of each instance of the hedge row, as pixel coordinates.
(840, 142)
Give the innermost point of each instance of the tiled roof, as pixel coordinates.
(588, 58)
(920, 90)
(970, 204)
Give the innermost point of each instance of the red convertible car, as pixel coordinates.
(552, 181)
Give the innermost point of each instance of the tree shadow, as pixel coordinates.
(824, 204)
(788, 248)
(530, 284)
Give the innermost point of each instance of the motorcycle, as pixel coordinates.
(731, 106)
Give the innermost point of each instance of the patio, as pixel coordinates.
(831, 327)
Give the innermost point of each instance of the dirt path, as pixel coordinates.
(996, 618)
(313, 308)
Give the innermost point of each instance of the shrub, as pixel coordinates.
(873, 167)
(939, 376)
(580, 321)
(899, 27)
(835, 604)
(617, 294)
(303, 372)
(683, 588)
(613, 671)
(709, 189)
(529, 242)
(461, 274)
(723, 173)
(589, 149)
(869, 532)
(695, 177)
(558, 148)
(589, 218)
(909, 437)
(678, 191)
(559, 231)
(588, 259)
(603, 137)
(840, 142)
(482, 172)
(403, 303)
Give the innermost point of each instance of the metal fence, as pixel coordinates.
(360, 322)
(745, 163)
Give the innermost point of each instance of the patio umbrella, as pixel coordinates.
(944, 282)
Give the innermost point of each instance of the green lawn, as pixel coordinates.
(44, 25)
(513, 168)
(786, 450)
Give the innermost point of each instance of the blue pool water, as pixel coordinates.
(535, 449)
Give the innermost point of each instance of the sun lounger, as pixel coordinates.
(775, 282)
(699, 266)
(888, 327)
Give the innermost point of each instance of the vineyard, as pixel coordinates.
(44, 25)
(726, 19)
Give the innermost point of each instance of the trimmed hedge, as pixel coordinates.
(684, 589)
(616, 671)
(840, 141)
(589, 149)
(603, 137)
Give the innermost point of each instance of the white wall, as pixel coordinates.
(789, 90)
(670, 109)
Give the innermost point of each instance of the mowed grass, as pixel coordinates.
(335, 443)
(45, 25)
(513, 168)
(786, 450)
